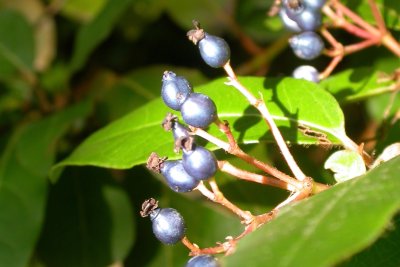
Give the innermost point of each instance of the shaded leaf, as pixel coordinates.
(95, 31)
(358, 84)
(23, 186)
(91, 214)
(335, 223)
(212, 14)
(16, 46)
(130, 140)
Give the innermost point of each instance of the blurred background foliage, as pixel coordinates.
(68, 68)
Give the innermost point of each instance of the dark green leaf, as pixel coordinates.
(95, 31)
(92, 216)
(17, 45)
(23, 186)
(384, 252)
(327, 228)
(212, 14)
(130, 140)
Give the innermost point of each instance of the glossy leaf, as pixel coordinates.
(358, 84)
(327, 228)
(95, 31)
(345, 164)
(16, 46)
(130, 140)
(92, 216)
(23, 185)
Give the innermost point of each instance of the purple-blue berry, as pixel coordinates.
(168, 225)
(306, 72)
(309, 19)
(179, 131)
(199, 162)
(289, 24)
(177, 178)
(214, 50)
(175, 90)
(199, 110)
(307, 45)
(293, 8)
(202, 261)
(314, 4)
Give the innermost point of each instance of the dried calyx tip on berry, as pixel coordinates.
(148, 206)
(196, 34)
(154, 162)
(169, 121)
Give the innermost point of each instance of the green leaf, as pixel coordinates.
(92, 216)
(130, 140)
(358, 84)
(17, 46)
(23, 185)
(82, 10)
(345, 164)
(213, 15)
(384, 252)
(95, 31)
(326, 228)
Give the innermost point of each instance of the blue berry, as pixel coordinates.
(179, 131)
(289, 24)
(177, 178)
(199, 162)
(314, 4)
(306, 72)
(175, 90)
(308, 19)
(214, 50)
(199, 110)
(307, 45)
(202, 261)
(293, 8)
(168, 225)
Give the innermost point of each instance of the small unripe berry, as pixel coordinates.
(177, 178)
(202, 261)
(199, 162)
(306, 72)
(307, 45)
(175, 90)
(199, 110)
(168, 225)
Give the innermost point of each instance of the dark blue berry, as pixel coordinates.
(199, 162)
(306, 72)
(199, 110)
(289, 24)
(179, 131)
(309, 19)
(177, 178)
(175, 90)
(202, 261)
(168, 225)
(314, 4)
(307, 45)
(214, 50)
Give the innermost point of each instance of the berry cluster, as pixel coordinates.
(304, 18)
(198, 166)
